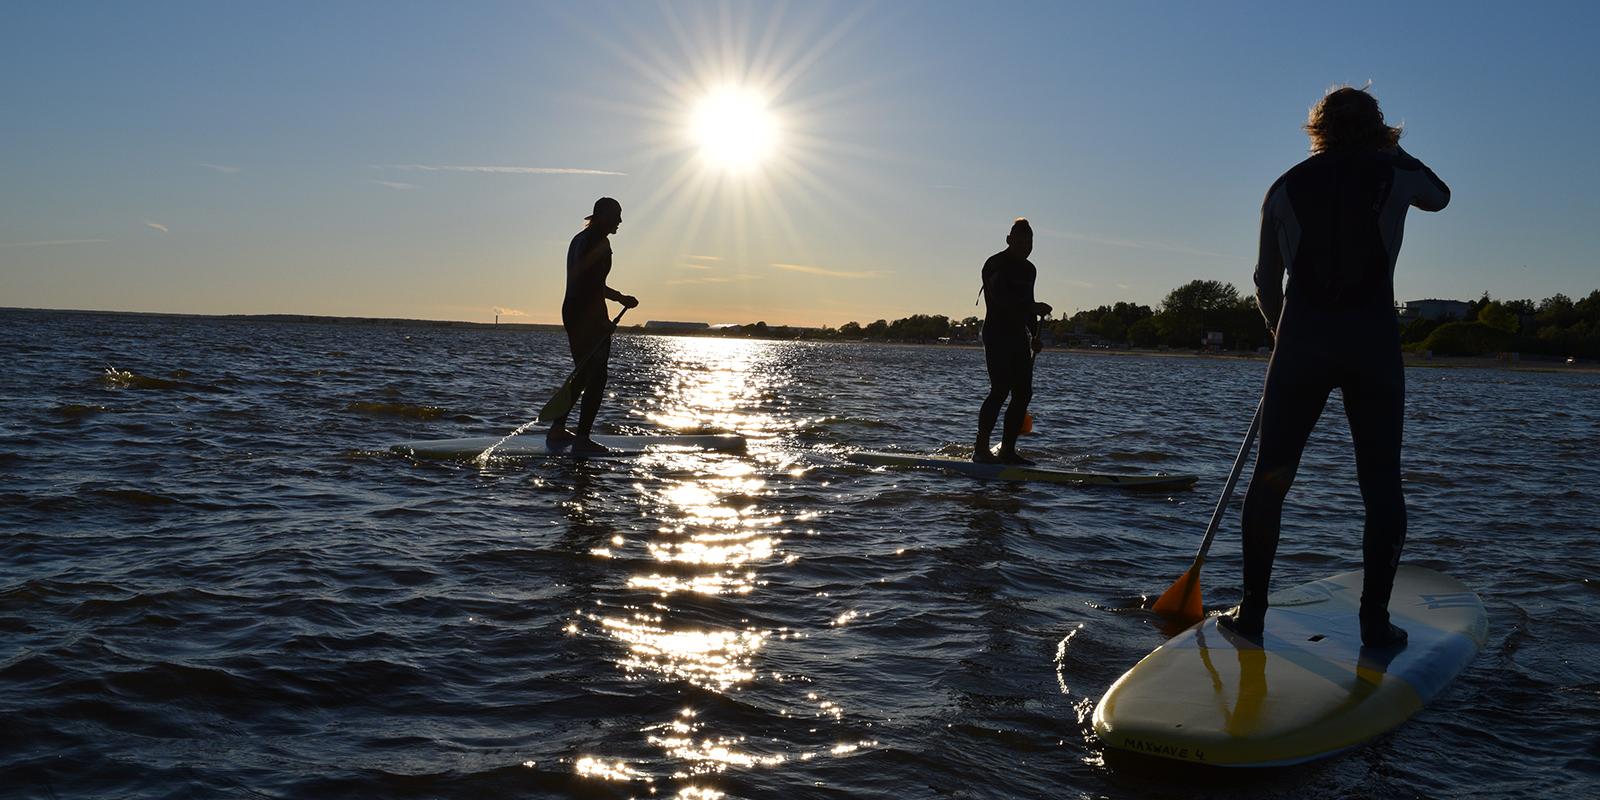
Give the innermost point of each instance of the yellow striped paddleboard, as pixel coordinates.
(1309, 689)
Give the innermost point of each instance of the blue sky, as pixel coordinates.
(314, 157)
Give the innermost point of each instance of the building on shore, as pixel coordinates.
(663, 325)
(1432, 309)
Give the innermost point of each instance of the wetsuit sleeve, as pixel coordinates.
(1269, 259)
(1431, 194)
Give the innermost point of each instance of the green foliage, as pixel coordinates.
(1467, 339)
(1192, 310)
(1499, 315)
(1417, 330)
(920, 327)
(1144, 333)
(1555, 326)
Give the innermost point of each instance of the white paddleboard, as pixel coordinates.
(1309, 690)
(533, 444)
(1008, 472)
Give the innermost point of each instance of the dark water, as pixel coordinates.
(215, 582)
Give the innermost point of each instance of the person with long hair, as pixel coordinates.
(1334, 224)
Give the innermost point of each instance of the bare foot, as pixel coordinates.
(981, 455)
(559, 437)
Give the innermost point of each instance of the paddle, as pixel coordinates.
(567, 395)
(1181, 601)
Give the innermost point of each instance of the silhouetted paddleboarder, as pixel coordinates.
(1010, 341)
(1334, 222)
(584, 315)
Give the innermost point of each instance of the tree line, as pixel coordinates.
(1192, 315)
(1556, 326)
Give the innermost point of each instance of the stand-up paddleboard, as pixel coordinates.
(1308, 690)
(534, 445)
(1009, 472)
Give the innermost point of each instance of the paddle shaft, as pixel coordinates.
(548, 413)
(615, 321)
(1227, 488)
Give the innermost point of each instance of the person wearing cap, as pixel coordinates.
(1010, 341)
(1334, 223)
(587, 321)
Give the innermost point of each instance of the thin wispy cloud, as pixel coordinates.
(395, 184)
(509, 312)
(695, 266)
(704, 258)
(829, 273)
(1133, 243)
(713, 279)
(222, 168)
(156, 226)
(499, 170)
(50, 242)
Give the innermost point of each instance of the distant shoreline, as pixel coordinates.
(1526, 364)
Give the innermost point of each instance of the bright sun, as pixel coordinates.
(734, 129)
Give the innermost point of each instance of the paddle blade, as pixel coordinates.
(561, 402)
(1181, 601)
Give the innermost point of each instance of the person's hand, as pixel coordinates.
(1042, 309)
(629, 301)
(1038, 344)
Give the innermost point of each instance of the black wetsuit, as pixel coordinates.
(1009, 326)
(583, 314)
(1335, 223)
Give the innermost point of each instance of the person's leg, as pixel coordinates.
(1375, 404)
(1021, 395)
(999, 386)
(559, 435)
(1296, 390)
(594, 390)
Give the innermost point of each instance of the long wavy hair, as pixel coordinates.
(1349, 118)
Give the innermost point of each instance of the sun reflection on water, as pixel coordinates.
(721, 385)
(710, 659)
(715, 533)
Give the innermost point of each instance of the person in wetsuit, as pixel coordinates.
(1010, 341)
(588, 323)
(1334, 222)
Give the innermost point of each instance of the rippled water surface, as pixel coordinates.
(215, 581)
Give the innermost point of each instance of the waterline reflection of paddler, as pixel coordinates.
(589, 329)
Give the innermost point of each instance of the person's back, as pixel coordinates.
(588, 266)
(1336, 221)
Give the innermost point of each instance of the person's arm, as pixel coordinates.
(627, 300)
(1269, 264)
(1431, 193)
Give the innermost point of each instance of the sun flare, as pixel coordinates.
(734, 129)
